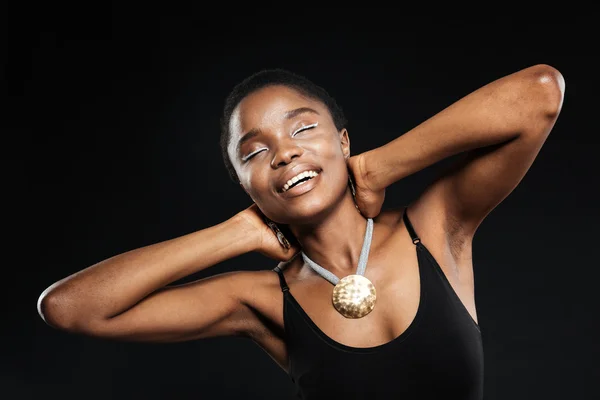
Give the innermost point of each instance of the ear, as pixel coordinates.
(345, 142)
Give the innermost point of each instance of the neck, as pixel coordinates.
(335, 241)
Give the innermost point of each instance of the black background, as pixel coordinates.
(114, 113)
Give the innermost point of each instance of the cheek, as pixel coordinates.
(330, 152)
(257, 185)
(328, 148)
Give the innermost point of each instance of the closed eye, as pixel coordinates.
(303, 128)
(249, 156)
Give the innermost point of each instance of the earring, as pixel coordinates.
(350, 179)
(353, 190)
(351, 185)
(282, 240)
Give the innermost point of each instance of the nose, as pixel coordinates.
(286, 151)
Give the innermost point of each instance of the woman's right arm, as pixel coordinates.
(124, 297)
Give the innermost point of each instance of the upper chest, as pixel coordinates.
(392, 267)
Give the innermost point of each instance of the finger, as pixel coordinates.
(370, 209)
(364, 208)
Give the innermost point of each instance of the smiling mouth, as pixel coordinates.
(299, 180)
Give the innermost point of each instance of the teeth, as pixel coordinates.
(296, 178)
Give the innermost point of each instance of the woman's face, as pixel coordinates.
(276, 134)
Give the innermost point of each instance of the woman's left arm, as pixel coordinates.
(500, 128)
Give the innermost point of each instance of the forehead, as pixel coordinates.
(268, 106)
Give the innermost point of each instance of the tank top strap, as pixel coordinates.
(409, 228)
(282, 282)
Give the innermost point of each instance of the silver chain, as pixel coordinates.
(362, 260)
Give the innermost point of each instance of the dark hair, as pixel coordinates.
(266, 78)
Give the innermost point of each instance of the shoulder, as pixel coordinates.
(252, 284)
(390, 217)
(390, 220)
(437, 227)
(260, 288)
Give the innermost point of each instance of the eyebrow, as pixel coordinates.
(252, 133)
(294, 113)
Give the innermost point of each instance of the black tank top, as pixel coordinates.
(439, 356)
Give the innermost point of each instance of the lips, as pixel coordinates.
(301, 188)
(298, 169)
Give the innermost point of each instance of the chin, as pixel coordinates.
(309, 208)
(307, 213)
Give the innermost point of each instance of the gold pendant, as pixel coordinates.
(354, 296)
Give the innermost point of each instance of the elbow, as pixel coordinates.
(45, 305)
(50, 310)
(57, 311)
(548, 89)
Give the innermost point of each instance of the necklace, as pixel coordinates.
(354, 295)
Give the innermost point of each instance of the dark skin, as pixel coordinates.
(321, 218)
(499, 128)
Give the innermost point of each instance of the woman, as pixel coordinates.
(379, 304)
